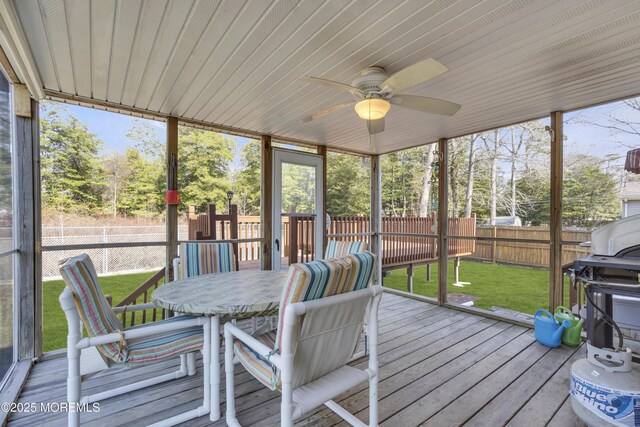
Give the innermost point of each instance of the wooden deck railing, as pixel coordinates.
(142, 295)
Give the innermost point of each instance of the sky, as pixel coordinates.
(112, 129)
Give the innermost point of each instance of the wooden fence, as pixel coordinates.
(525, 253)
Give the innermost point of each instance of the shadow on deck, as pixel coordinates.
(438, 366)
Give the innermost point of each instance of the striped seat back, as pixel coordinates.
(323, 278)
(338, 248)
(197, 259)
(95, 312)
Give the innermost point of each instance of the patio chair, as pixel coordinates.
(322, 310)
(197, 258)
(339, 248)
(85, 306)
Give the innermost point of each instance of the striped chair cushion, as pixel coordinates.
(257, 365)
(323, 278)
(159, 347)
(205, 258)
(337, 248)
(95, 312)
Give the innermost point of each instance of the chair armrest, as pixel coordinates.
(137, 307)
(188, 322)
(260, 348)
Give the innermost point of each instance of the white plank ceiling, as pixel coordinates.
(237, 64)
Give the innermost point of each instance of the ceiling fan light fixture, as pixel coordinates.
(372, 108)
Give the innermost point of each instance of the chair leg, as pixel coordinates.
(286, 407)
(183, 363)
(215, 368)
(74, 382)
(191, 364)
(228, 369)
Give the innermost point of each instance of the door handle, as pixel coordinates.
(278, 245)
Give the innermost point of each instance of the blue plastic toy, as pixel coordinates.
(547, 330)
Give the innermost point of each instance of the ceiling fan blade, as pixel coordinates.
(326, 111)
(414, 75)
(426, 105)
(332, 84)
(375, 126)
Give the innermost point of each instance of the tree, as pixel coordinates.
(401, 181)
(426, 197)
(347, 185)
(247, 179)
(117, 171)
(71, 172)
(204, 159)
(590, 193)
(493, 142)
(142, 193)
(471, 166)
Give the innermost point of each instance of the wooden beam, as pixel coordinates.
(266, 205)
(26, 278)
(322, 150)
(376, 216)
(172, 210)
(443, 219)
(8, 68)
(556, 283)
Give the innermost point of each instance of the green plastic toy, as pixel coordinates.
(571, 336)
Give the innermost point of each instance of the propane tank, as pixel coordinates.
(605, 388)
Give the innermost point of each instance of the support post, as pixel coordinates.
(376, 216)
(172, 210)
(28, 277)
(410, 278)
(428, 272)
(556, 283)
(322, 150)
(266, 202)
(443, 219)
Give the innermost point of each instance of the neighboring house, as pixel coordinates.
(630, 198)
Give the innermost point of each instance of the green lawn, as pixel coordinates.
(516, 288)
(55, 324)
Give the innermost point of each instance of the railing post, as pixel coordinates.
(556, 283)
(266, 203)
(443, 219)
(171, 210)
(293, 240)
(376, 216)
(322, 150)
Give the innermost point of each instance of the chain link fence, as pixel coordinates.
(118, 260)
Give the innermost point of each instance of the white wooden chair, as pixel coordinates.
(322, 311)
(109, 344)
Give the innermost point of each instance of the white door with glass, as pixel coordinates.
(297, 207)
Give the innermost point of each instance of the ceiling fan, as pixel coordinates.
(375, 91)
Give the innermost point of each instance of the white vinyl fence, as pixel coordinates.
(118, 260)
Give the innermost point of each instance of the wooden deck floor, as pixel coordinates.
(438, 367)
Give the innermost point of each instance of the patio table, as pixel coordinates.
(223, 296)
